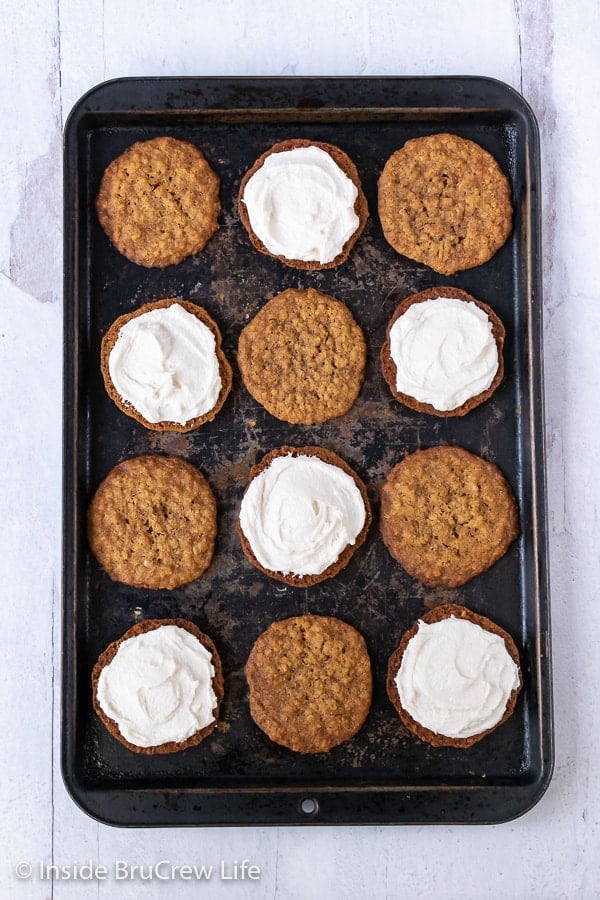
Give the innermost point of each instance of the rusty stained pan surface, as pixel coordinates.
(238, 776)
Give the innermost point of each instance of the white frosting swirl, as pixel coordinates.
(158, 687)
(301, 205)
(300, 513)
(455, 677)
(444, 352)
(164, 362)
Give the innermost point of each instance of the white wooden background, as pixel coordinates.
(51, 51)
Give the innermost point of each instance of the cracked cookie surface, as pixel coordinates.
(444, 201)
(303, 357)
(152, 522)
(159, 202)
(447, 515)
(310, 682)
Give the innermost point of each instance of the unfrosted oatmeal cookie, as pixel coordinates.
(447, 515)
(303, 357)
(159, 202)
(152, 522)
(310, 682)
(444, 201)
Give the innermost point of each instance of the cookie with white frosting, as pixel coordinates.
(159, 688)
(455, 677)
(302, 202)
(163, 365)
(303, 515)
(310, 682)
(443, 352)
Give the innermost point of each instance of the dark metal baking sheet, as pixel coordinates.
(238, 776)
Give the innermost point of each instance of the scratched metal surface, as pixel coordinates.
(234, 602)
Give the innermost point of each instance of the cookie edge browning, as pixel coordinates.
(255, 681)
(388, 366)
(244, 355)
(217, 683)
(506, 198)
(512, 529)
(438, 614)
(92, 527)
(328, 456)
(225, 371)
(341, 158)
(105, 217)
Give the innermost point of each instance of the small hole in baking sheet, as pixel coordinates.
(309, 806)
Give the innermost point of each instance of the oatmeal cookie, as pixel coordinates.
(130, 692)
(306, 224)
(310, 682)
(304, 514)
(478, 698)
(152, 522)
(447, 515)
(303, 357)
(159, 202)
(444, 201)
(180, 379)
(456, 361)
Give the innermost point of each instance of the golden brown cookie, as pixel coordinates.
(310, 682)
(360, 205)
(159, 202)
(303, 357)
(294, 517)
(217, 685)
(438, 614)
(447, 515)
(388, 366)
(152, 522)
(110, 338)
(444, 201)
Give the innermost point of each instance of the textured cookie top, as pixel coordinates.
(159, 201)
(303, 357)
(439, 359)
(447, 515)
(168, 366)
(147, 695)
(444, 201)
(310, 682)
(456, 677)
(303, 205)
(153, 522)
(303, 515)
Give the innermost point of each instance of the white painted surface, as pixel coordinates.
(53, 51)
